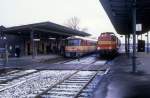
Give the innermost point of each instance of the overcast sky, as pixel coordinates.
(90, 13)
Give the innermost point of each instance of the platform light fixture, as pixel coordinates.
(4, 37)
(36, 40)
(51, 38)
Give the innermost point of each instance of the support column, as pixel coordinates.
(60, 44)
(134, 36)
(32, 43)
(128, 45)
(147, 42)
(1, 38)
(4, 41)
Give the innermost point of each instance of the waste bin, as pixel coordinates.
(141, 46)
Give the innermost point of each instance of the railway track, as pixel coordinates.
(13, 79)
(44, 83)
(77, 60)
(9, 72)
(71, 87)
(15, 75)
(78, 85)
(32, 84)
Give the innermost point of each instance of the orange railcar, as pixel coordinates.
(78, 46)
(108, 44)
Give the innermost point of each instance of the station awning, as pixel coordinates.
(44, 29)
(120, 14)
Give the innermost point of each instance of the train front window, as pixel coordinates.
(73, 42)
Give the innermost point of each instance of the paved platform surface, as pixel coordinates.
(27, 60)
(54, 63)
(122, 83)
(83, 67)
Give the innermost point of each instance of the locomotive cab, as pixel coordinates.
(72, 48)
(108, 44)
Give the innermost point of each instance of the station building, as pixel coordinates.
(36, 39)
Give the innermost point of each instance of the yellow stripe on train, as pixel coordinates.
(106, 42)
(80, 48)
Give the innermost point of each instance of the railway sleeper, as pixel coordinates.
(68, 86)
(61, 93)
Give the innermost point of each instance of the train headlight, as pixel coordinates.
(98, 48)
(110, 48)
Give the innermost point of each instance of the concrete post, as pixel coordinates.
(0, 41)
(6, 54)
(126, 48)
(134, 36)
(128, 45)
(32, 42)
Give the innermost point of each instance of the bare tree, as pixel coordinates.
(74, 23)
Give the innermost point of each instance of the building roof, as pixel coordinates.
(120, 14)
(45, 28)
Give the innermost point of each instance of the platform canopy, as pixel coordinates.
(120, 14)
(44, 29)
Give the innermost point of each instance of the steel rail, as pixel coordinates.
(39, 95)
(76, 96)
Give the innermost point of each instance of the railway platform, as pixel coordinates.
(28, 60)
(122, 83)
(57, 63)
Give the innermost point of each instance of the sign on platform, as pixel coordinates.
(138, 27)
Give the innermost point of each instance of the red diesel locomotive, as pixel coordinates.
(108, 44)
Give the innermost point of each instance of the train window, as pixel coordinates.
(73, 42)
(82, 42)
(113, 38)
(87, 43)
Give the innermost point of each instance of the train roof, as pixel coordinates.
(83, 38)
(108, 33)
